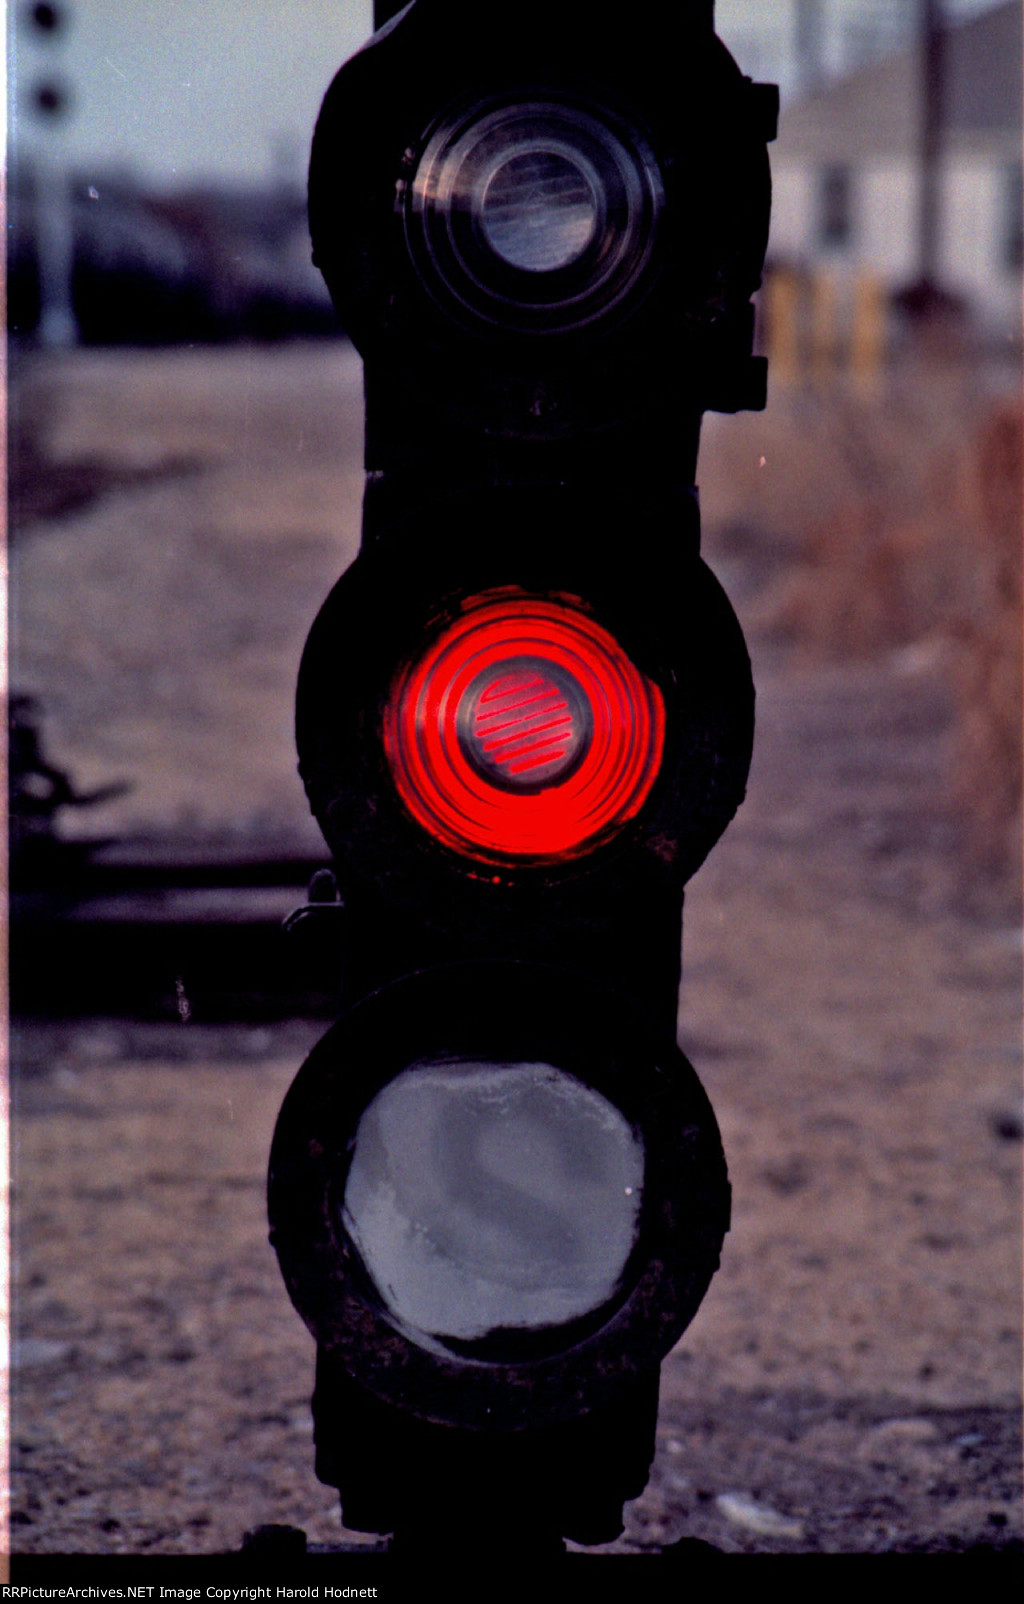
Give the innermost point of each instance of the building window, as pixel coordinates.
(1012, 218)
(835, 221)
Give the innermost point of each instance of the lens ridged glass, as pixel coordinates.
(525, 723)
(539, 211)
(605, 762)
(534, 215)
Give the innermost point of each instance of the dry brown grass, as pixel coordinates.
(985, 641)
(896, 528)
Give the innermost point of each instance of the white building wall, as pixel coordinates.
(973, 260)
(884, 233)
(792, 214)
(885, 238)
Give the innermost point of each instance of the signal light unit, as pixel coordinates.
(524, 716)
(496, 1240)
(530, 216)
(523, 731)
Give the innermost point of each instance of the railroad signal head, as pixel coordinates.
(582, 203)
(45, 18)
(533, 215)
(524, 702)
(496, 1199)
(522, 732)
(524, 717)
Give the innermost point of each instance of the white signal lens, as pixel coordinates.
(540, 210)
(487, 1197)
(534, 215)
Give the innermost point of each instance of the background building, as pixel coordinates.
(800, 43)
(848, 172)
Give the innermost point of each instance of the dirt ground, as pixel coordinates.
(852, 1381)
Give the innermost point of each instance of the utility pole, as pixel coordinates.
(49, 101)
(931, 58)
(809, 43)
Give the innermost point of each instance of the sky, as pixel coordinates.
(186, 91)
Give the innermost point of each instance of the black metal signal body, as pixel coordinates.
(525, 715)
(628, 315)
(614, 909)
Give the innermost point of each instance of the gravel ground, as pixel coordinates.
(852, 1382)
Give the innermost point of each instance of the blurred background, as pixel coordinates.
(185, 477)
(156, 200)
(158, 162)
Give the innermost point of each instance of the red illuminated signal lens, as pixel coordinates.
(523, 732)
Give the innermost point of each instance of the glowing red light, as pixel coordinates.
(523, 732)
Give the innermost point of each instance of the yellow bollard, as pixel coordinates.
(867, 346)
(824, 327)
(782, 319)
